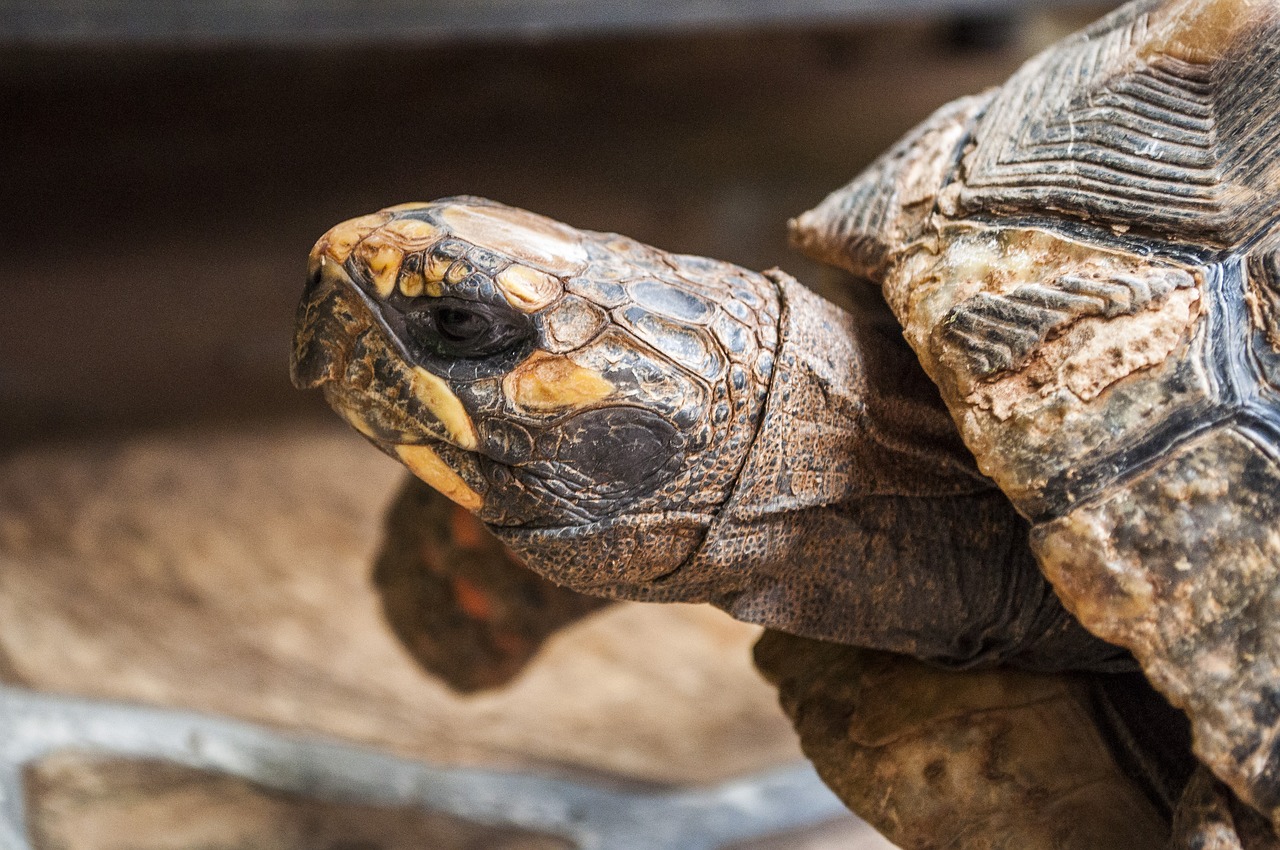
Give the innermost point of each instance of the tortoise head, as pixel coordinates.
(575, 390)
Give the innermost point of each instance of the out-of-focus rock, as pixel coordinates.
(83, 802)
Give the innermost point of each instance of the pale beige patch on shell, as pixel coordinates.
(1110, 591)
(926, 283)
(1200, 31)
(342, 238)
(1263, 312)
(1094, 354)
(434, 393)
(545, 383)
(526, 289)
(1262, 294)
(524, 236)
(423, 462)
(1126, 344)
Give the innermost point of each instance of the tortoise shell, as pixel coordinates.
(1087, 263)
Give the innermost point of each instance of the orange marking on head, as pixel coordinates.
(408, 206)
(382, 257)
(526, 289)
(435, 395)
(411, 284)
(433, 272)
(338, 242)
(413, 234)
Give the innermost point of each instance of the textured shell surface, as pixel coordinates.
(1087, 263)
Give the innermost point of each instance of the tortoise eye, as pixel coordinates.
(461, 326)
(454, 327)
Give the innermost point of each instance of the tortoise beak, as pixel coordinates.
(320, 342)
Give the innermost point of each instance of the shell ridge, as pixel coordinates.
(1139, 132)
(1021, 320)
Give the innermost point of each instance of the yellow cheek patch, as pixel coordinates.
(428, 466)
(341, 238)
(355, 420)
(436, 396)
(526, 289)
(544, 383)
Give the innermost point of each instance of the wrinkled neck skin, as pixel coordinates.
(858, 517)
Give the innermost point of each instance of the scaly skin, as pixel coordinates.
(642, 425)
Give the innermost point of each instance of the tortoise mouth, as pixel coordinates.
(388, 425)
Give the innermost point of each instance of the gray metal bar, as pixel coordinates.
(33, 725)
(327, 22)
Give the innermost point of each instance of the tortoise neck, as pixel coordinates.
(860, 517)
(851, 414)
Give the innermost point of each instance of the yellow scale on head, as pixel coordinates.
(433, 272)
(384, 250)
(526, 289)
(338, 243)
(435, 395)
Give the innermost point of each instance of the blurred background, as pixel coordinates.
(181, 529)
(167, 166)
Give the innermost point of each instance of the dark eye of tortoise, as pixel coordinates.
(455, 327)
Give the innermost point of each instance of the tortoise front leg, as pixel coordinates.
(994, 759)
(462, 604)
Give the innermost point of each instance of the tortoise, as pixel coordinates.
(1070, 475)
